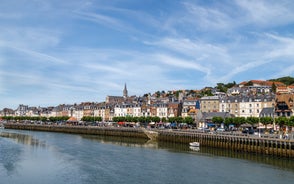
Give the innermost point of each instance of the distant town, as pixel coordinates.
(248, 99)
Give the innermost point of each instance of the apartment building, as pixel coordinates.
(246, 106)
(209, 104)
(174, 109)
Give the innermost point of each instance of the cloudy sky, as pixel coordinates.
(54, 52)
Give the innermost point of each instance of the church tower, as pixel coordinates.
(125, 91)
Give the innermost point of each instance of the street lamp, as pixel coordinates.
(93, 115)
(274, 121)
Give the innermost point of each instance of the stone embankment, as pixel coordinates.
(242, 143)
(91, 130)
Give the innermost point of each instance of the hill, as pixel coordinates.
(286, 80)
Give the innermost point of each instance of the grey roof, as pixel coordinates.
(247, 98)
(267, 112)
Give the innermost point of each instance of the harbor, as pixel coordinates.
(50, 157)
(273, 146)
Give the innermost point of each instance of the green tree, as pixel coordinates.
(129, 119)
(157, 94)
(43, 119)
(286, 80)
(252, 120)
(229, 121)
(217, 120)
(239, 120)
(163, 119)
(142, 119)
(291, 121)
(281, 121)
(266, 120)
(274, 87)
(221, 87)
(179, 119)
(155, 119)
(171, 119)
(188, 120)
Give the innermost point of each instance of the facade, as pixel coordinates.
(22, 110)
(190, 106)
(255, 100)
(284, 105)
(246, 106)
(205, 118)
(7, 112)
(209, 104)
(285, 89)
(174, 109)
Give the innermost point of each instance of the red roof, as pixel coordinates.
(72, 119)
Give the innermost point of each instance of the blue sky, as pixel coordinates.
(54, 52)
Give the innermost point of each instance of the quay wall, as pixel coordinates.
(91, 130)
(239, 143)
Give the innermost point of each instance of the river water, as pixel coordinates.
(28, 157)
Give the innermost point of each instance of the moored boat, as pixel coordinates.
(194, 144)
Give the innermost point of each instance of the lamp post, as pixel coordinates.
(274, 121)
(93, 115)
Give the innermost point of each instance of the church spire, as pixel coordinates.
(125, 91)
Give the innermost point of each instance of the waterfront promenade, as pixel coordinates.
(236, 142)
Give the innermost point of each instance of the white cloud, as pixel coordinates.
(268, 13)
(87, 50)
(207, 18)
(180, 63)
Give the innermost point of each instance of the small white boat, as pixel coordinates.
(194, 144)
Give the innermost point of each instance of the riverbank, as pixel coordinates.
(241, 143)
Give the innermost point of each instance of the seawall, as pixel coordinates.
(250, 144)
(91, 130)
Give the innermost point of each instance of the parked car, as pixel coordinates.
(220, 130)
(248, 131)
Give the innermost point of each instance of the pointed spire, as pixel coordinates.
(125, 91)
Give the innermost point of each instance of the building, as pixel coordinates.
(247, 105)
(209, 104)
(284, 105)
(22, 110)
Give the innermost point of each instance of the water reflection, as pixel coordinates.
(10, 154)
(283, 163)
(122, 141)
(9, 157)
(23, 139)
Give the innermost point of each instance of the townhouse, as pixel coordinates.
(246, 106)
(190, 107)
(284, 105)
(209, 104)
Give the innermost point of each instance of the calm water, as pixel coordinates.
(28, 157)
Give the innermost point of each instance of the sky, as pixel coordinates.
(64, 52)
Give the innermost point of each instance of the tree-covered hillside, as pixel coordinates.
(286, 80)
